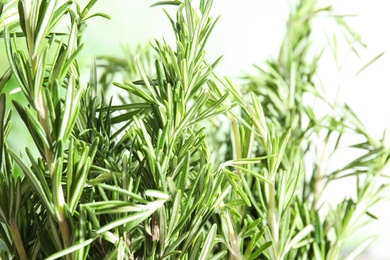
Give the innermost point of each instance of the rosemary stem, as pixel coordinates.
(273, 221)
(317, 189)
(17, 239)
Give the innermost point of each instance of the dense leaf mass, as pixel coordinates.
(184, 163)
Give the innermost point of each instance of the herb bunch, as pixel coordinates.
(143, 176)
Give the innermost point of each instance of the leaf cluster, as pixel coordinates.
(144, 176)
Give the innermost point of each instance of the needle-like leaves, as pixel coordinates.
(184, 163)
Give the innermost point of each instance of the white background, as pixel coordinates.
(249, 31)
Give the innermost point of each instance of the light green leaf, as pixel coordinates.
(359, 249)
(177, 2)
(298, 238)
(132, 220)
(44, 20)
(71, 249)
(157, 194)
(208, 243)
(369, 63)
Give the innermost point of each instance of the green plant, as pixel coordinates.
(143, 175)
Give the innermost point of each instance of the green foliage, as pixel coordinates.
(143, 176)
